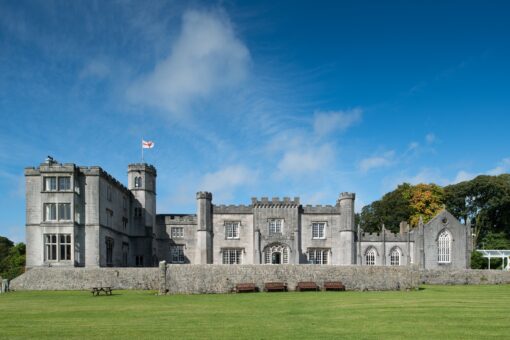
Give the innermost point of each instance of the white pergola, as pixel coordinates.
(498, 254)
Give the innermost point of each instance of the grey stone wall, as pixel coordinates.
(464, 276)
(85, 278)
(192, 279)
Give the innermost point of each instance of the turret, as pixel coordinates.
(142, 183)
(347, 235)
(204, 228)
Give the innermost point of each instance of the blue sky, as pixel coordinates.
(258, 98)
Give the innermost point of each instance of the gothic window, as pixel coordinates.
(124, 223)
(276, 254)
(177, 232)
(318, 256)
(319, 230)
(444, 247)
(395, 257)
(177, 254)
(370, 257)
(275, 226)
(138, 212)
(138, 182)
(232, 230)
(57, 247)
(232, 256)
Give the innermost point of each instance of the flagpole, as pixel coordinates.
(142, 150)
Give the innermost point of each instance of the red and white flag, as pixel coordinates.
(147, 144)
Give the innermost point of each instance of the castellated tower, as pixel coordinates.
(204, 253)
(347, 229)
(142, 183)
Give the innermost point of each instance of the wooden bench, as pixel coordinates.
(302, 286)
(245, 287)
(336, 285)
(275, 287)
(97, 290)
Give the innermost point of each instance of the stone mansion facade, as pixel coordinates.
(80, 216)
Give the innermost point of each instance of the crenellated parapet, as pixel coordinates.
(143, 167)
(320, 209)
(276, 202)
(204, 195)
(177, 219)
(232, 209)
(387, 236)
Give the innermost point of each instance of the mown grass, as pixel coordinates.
(456, 312)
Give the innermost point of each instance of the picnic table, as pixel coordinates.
(97, 290)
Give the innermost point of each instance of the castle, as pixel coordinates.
(80, 216)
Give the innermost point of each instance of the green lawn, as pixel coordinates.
(433, 312)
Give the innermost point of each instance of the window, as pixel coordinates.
(276, 254)
(64, 211)
(139, 260)
(50, 212)
(57, 247)
(319, 230)
(109, 218)
(177, 254)
(109, 251)
(124, 223)
(64, 183)
(232, 230)
(138, 182)
(124, 202)
(275, 226)
(50, 183)
(370, 257)
(232, 256)
(444, 247)
(177, 232)
(138, 212)
(395, 257)
(318, 256)
(125, 252)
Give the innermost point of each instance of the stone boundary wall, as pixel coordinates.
(85, 278)
(192, 279)
(465, 277)
(195, 279)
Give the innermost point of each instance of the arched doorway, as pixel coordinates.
(276, 253)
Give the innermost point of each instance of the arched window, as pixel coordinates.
(138, 182)
(395, 257)
(444, 247)
(370, 257)
(276, 254)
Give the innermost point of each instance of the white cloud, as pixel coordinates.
(330, 121)
(224, 182)
(298, 162)
(463, 176)
(384, 160)
(503, 167)
(206, 57)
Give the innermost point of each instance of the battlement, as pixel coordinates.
(232, 209)
(320, 209)
(204, 195)
(177, 219)
(388, 236)
(286, 202)
(142, 167)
